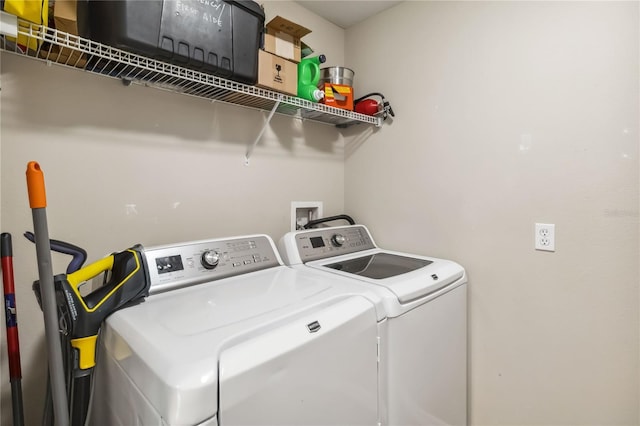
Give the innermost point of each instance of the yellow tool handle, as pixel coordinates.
(127, 284)
(90, 271)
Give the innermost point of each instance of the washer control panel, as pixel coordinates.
(181, 265)
(330, 242)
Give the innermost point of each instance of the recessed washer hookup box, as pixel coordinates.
(219, 37)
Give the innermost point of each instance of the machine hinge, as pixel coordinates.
(378, 349)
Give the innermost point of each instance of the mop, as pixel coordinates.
(38, 204)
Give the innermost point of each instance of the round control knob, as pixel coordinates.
(210, 259)
(338, 240)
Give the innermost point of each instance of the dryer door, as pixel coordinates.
(318, 368)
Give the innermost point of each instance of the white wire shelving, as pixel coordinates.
(60, 48)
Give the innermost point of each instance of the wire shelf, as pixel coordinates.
(60, 48)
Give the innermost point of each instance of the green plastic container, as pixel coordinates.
(309, 77)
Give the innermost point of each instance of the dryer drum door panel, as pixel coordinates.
(319, 368)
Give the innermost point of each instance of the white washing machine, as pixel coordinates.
(424, 340)
(230, 336)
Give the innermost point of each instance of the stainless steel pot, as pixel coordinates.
(336, 75)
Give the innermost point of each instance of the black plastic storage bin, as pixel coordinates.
(219, 37)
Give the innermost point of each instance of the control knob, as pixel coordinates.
(338, 240)
(210, 259)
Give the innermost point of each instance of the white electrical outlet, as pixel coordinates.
(545, 236)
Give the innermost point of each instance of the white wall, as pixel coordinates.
(126, 165)
(511, 113)
(508, 113)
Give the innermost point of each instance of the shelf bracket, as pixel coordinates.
(264, 127)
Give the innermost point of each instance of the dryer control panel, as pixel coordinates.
(185, 264)
(330, 242)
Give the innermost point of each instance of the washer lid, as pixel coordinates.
(380, 265)
(169, 345)
(409, 277)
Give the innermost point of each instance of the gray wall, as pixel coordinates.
(511, 113)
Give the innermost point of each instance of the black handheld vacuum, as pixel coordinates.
(80, 317)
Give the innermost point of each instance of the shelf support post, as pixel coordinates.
(264, 127)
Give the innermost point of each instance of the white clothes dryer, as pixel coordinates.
(231, 336)
(424, 340)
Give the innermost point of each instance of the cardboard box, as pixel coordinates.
(65, 19)
(282, 38)
(276, 73)
(338, 95)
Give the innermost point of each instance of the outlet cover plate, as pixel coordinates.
(545, 237)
